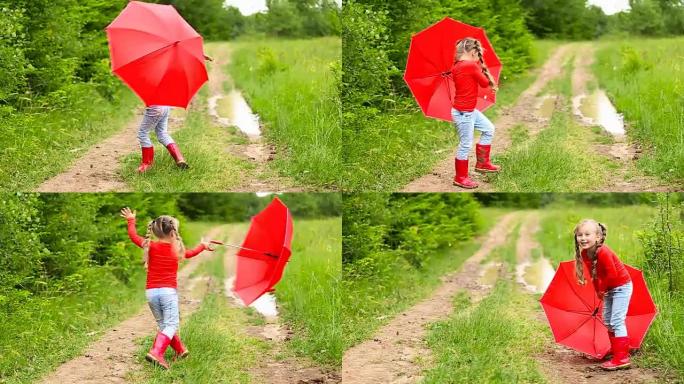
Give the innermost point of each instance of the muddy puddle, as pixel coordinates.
(546, 107)
(489, 274)
(536, 275)
(233, 110)
(597, 109)
(264, 305)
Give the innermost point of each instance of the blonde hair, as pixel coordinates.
(163, 226)
(468, 44)
(591, 252)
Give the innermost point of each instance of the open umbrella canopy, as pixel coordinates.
(264, 252)
(575, 312)
(430, 58)
(157, 54)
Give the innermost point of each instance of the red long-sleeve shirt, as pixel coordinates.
(610, 271)
(162, 267)
(468, 77)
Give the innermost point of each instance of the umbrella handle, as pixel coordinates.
(245, 248)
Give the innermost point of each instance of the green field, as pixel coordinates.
(293, 86)
(645, 80)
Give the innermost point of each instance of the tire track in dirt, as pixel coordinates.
(558, 363)
(627, 178)
(390, 355)
(525, 112)
(274, 368)
(113, 355)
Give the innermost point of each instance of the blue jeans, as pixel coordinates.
(466, 123)
(615, 304)
(164, 305)
(155, 118)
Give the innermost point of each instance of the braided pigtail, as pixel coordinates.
(146, 243)
(180, 247)
(579, 267)
(485, 70)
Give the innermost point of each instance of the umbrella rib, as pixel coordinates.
(143, 56)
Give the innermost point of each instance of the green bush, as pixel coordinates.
(380, 227)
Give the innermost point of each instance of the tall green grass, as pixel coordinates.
(293, 86)
(309, 293)
(49, 330)
(664, 345)
(386, 150)
(40, 142)
(495, 342)
(645, 79)
(369, 303)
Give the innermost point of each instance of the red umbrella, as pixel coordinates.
(157, 54)
(575, 312)
(264, 252)
(430, 59)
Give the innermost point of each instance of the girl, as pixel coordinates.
(157, 117)
(611, 282)
(470, 72)
(161, 259)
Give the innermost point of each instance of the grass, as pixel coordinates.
(47, 331)
(559, 155)
(645, 80)
(494, 342)
(292, 86)
(217, 329)
(386, 150)
(309, 291)
(663, 347)
(206, 147)
(39, 143)
(369, 303)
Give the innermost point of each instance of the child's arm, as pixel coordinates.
(481, 79)
(132, 232)
(203, 246)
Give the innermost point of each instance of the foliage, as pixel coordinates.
(662, 243)
(409, 226)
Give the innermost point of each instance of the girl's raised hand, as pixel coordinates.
(126, 213)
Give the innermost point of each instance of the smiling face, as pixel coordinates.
(588, 235)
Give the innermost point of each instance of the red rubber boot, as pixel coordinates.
(483, 163)
(177, 156)
(462, 180)
(147, 159)
(620, 347)
(156, 354)
(178, 346)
